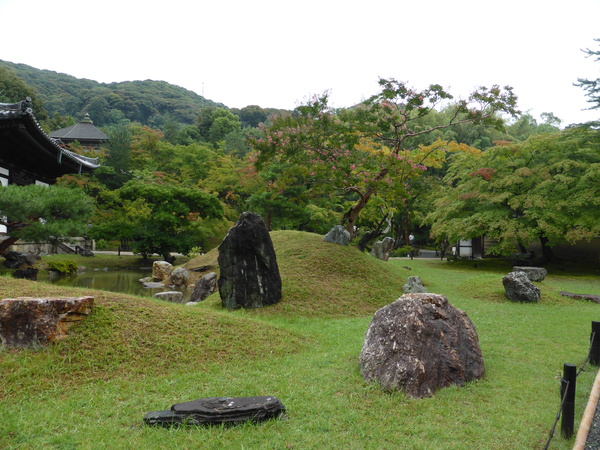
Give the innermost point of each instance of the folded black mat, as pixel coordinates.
(217, 410)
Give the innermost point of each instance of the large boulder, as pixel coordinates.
(338, 235)
(419, 344)
(35, 322)
(249, 275)
(204, 287)
(414, 285)
(519, 288)
(533, 273)
(161, 270)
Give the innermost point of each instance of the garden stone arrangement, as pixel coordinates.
(249, 276)
(419, 344)
(218, 410)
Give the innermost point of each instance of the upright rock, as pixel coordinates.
(249, 273)
(383, 249)
(419, 344)
(414, 285)
(204, 287)
(180, 277)
(338, 235)
(161, 270)
(519, 288)
(34, 322)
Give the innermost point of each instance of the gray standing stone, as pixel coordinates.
(170, 296)
(383, 249)
(204, 287)
(419, 344)
(533, 273)
(180, 277)
(338, 235)
(249, 275)
(519, 288)
(414, 285)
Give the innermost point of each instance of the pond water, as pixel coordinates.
(126, 281)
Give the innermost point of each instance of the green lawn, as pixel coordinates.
(135, 355)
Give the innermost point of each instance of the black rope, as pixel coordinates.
(588, 356)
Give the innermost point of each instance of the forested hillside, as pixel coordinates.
(147, 102)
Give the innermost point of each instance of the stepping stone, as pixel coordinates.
(217, 410)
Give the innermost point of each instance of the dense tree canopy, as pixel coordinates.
(42, 214)
(545, 188)
(157, 218)
(368, 150)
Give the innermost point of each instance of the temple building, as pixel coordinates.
(30, 156)
(83, 132)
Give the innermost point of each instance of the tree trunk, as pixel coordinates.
(5, 244)
(547, 253)
(373, 234)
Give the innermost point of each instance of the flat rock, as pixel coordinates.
(170, 296)
(218, 410)
(533, 273)
(35, 322)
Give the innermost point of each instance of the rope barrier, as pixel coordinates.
(565, 390)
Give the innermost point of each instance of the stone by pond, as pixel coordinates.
(125, 280)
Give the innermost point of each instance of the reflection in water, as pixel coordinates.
(123, 280)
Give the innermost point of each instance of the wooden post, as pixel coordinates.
(567, 391)
(595, 344)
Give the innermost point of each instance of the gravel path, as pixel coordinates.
(593, 438)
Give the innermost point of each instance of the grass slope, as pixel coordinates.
(136, 355)
(321, 279)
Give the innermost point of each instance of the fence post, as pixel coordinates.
(568, 407)
(595, 344)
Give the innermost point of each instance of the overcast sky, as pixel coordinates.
(276, 53)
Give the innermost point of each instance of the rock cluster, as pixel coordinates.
(419, 344)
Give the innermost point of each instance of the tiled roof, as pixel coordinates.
(82, 131)
(19, 116)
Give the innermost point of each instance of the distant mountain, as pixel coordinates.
(148, 102)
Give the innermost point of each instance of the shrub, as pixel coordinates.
(63, 266)
(401, 251)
